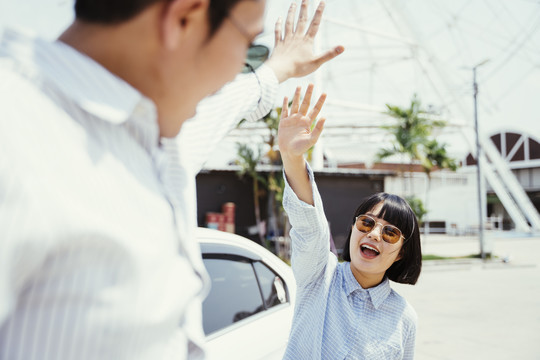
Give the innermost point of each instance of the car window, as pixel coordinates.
(272, 286)
(234, 296)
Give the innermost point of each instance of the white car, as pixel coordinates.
(248, 313)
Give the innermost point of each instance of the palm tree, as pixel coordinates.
(275, 181)
(413, 139)
(277, 223)
(410, 132)
(248, 160)
(435, 155)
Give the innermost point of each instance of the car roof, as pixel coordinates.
(223, 243)
(220, 242)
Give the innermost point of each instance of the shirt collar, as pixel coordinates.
(350, 283)
(86, 82)
(377, 294)
(380, 292)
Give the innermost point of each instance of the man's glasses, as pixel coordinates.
(366, 224)
(256, 55)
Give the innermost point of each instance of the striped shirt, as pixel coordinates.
(97, 212)
(335, 318)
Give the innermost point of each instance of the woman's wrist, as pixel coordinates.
(292, 159)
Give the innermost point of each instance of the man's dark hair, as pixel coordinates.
(117, 11)
(397, 212)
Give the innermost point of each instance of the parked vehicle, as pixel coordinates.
(249, 310)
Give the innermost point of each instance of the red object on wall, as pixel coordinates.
(212, 220)
(228, 211)
(223, 221)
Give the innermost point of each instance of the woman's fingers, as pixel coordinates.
(303, 108)
(317, 130)
(285, 108)
(317, 108)
(307, 100)
(296, 100)
(298, 131)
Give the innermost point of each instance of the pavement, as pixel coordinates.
(474, 309)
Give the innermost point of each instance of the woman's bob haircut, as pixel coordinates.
(397, 212)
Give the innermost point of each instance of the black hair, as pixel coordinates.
(110, 12)
(397, 212)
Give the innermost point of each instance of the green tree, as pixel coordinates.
(248, 160)
(411, 130)
(435, 155)
(417, 207)
(413, 140)
(274, 185)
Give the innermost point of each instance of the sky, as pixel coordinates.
(395, 49)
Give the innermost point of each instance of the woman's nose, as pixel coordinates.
(377, 231)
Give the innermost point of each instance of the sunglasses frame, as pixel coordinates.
(382, 228)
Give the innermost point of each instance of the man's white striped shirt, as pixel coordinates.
(97, 212)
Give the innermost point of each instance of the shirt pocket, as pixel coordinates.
(380, 350)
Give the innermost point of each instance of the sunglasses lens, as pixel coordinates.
(391, 234)
(365, 224)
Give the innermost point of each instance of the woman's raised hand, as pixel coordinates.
(297, 130)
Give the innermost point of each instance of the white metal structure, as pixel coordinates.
(518, 204)
(497, 172)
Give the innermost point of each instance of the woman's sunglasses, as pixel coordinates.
(366, 224)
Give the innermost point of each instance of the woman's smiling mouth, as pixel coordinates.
(369, 251)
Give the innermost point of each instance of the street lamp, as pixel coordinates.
(478, 167)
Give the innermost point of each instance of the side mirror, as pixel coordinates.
(280, 290)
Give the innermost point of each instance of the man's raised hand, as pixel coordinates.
(293, 51)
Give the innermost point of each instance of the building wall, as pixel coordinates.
(341, 195)
(451, 199)
(216, 188)
(528, 178)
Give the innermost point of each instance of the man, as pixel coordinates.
(97, 203)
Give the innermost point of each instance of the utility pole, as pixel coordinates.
(478, 167)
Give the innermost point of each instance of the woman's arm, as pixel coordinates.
(310, 233)
(295, 137)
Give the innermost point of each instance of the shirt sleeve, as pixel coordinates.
(250, 96)
(23, 237)
(310, 234)
(410, 342)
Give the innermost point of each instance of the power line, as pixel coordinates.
(519, 45)
(515, 84)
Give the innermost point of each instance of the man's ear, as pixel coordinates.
(182, 18)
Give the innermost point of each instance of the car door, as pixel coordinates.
(247, 314)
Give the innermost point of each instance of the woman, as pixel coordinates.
(345, 310)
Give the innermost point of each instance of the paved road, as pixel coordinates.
(478, 310)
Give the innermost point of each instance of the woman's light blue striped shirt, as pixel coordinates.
(335, 318)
